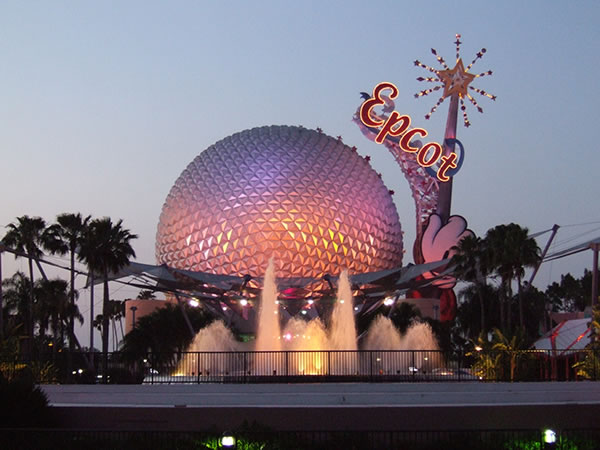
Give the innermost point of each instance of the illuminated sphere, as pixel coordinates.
(303, 197)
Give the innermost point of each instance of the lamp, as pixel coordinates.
(549, 438)
(228, 440)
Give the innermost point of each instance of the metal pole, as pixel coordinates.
(595, 246)
(133, 310)
(445, 189)
(546, 248)
(92, 316)
(185, 316)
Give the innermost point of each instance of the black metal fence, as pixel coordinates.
(252, 439)
(309, 366)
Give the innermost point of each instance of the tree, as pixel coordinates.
(70, 230)
(27, 237)
(403, 314)
(512, 348)
(51, 308)
(472, 264)
(163, 333)
(469, 309)
(511, 252)
(146, 294)
(571, 294)
(106, 250)
(17, 294)
(589, 368)
(54, 309)
(116, 313)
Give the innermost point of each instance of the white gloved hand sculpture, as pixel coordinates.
(438, 242)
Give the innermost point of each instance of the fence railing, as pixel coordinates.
(309, 366)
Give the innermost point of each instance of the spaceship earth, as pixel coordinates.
(298, 195)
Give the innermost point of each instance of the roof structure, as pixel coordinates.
(566, 336)
(215, 291)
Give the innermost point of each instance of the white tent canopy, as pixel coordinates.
(567, 335)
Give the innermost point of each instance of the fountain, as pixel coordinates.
(268, 334)
(310, 347)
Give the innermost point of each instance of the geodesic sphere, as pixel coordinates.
(298, 195)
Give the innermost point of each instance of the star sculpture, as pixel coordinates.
(456, 81)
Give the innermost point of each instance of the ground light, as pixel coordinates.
(549, 438)
(228, 440)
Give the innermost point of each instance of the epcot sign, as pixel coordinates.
(396, 125)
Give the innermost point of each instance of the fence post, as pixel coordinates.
(412, 364)
(198, 366)
(152, 368)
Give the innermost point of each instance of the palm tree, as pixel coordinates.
(54, 309)
(512, 251)
(469, 309)
(472, 264)
(27, 236)
(17, 294)
(70, 230)
(146, 294)
(106, 249)
(513, 348)
(116, 314)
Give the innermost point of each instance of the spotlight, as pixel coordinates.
(194, 303)
(228, 440)
(549, 438)
(243, 302)
(389, 301)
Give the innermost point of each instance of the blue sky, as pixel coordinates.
(103, 104)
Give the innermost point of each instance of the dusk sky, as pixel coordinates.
(104, 104)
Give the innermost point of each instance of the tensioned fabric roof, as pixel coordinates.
(167, 279)
(567, 335)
